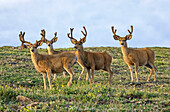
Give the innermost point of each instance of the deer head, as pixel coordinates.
(49, 43)
(33, 47)
(78, 44)
(122, 39)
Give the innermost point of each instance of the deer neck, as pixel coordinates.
(125, 51)
(34, 57)
(82, 55)
(50, 51)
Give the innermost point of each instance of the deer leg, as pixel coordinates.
(64, 74)
(44, 78)
(54, 77)
(111, 74)
(87, 76)
(88, 71)
(131, 71)
(71, 73)
(136, 72)
(71, 76)
(151, 71)
(81, 73)
(49, 77)
(155, 72)
(92, 73)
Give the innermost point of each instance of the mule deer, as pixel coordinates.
(49, 44)
(137, 57)
(91, 60)
(47, 64)
(51, 51)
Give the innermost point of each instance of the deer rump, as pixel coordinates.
(100, 59)
(144, 56)
(55, 62)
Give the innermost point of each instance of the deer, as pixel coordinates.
(51, 51)
(47, 64)
(91, 60)
(137, 57)
(49, 44)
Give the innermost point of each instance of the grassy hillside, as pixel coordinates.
(19, 77)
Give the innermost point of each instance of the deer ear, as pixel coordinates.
(55, 39)
(116, 37)
(83, 40)
(40, 43)
(73, 41)
(128, 37)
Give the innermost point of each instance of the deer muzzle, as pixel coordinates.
(32, 50)
(75, 47)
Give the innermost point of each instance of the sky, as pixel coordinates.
(150, 20)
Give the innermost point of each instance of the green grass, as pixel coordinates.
(19, 77)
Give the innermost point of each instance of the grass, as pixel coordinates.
(19, 77)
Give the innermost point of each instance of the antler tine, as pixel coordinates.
(71, 33)
(85, 34)
(21, 37)
(131, 30)
(68, 34)
(38, 43)
(43, 35)
(73, 40)
(55, 34)
(114, 31)
(43, 32)
(22, 40)
(23, 34)
(55, 38)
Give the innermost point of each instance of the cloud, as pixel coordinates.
(12, 3)
(150, 19)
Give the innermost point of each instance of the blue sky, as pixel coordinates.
(150, 19)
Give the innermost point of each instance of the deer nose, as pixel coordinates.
(75, 47)
(32, 50)
(122, 43)
(48, 44)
